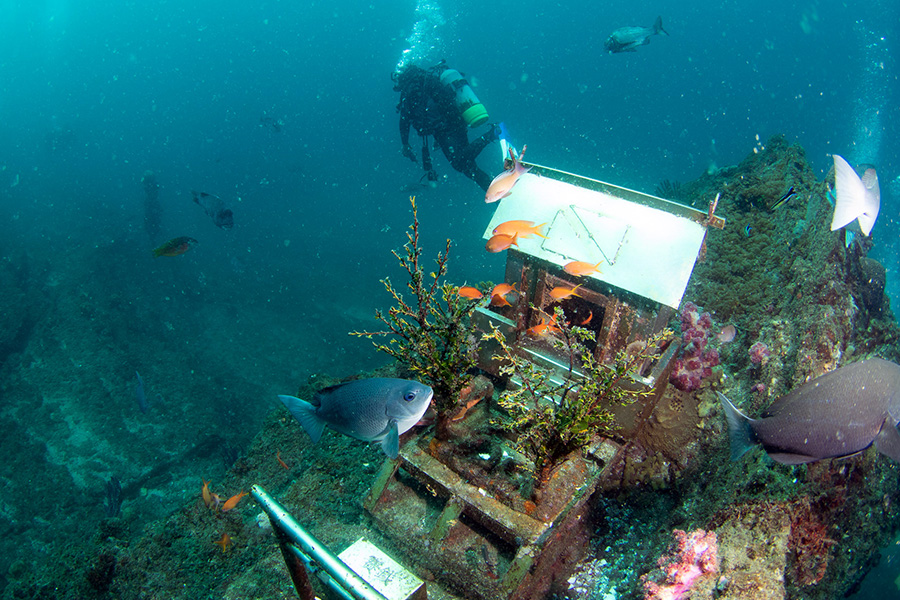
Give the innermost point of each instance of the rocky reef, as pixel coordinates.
(801, 302)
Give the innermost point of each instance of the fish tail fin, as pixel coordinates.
(740, 432)
(305, 413)
(538, 233)
(157, 252)
(850, 202)
(196, 196)
(888, 439)
(657, 26)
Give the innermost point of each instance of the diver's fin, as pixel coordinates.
(305, 412)
(391, 442)
(853, 201)
(739, 431)
(506, 142)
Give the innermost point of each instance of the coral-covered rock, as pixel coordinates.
(696, 360)
(759, 353)
(694, 556)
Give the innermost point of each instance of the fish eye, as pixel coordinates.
(410, 396)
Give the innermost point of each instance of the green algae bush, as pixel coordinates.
(432, 335)
(550, 419)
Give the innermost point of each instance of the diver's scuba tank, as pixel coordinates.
(470, 107)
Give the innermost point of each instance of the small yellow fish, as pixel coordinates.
(581, 268)
(498, 294)
(545, 327)
(224, 542)
(561, 293)
(469, 292)
(524, 229)
(502, 185)
(499, 243)
(233, 501)
(499, 301)
(207, 497)
(502, 289)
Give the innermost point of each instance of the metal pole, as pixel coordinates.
(357, 587)
(296, 567)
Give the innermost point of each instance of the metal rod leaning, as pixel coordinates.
(320, 560)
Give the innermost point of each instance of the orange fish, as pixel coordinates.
(523, 229)
(561, 293)
(543, 328)
(233, 501)
(281, 462)
(501, 242)
(469, 292)
(499, 301)
(502, 289)
(175, 246)
(588, 319)
(581, 269)
(207, 497)
(502, 185)
(225, 542)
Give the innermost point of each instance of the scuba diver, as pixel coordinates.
(439, 103)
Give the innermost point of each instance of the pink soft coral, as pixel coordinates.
(759, 353)
(696, 360)
(695, 554)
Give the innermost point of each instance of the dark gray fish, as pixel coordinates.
(627, 39)
(215, 208)
(140, 394)
(371, 410)
(836, 415)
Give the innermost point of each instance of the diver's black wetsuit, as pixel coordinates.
(429, 106)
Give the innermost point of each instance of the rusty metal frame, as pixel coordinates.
(304, 554)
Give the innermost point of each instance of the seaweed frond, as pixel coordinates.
(551, 420)
(431, 334)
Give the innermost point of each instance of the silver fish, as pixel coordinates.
(627, 39)
(836, 415)
(371, 410)
(857, 198)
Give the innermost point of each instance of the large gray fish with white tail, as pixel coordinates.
(858, 198)
(628, 39)
(371, 410)
(836, 415)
